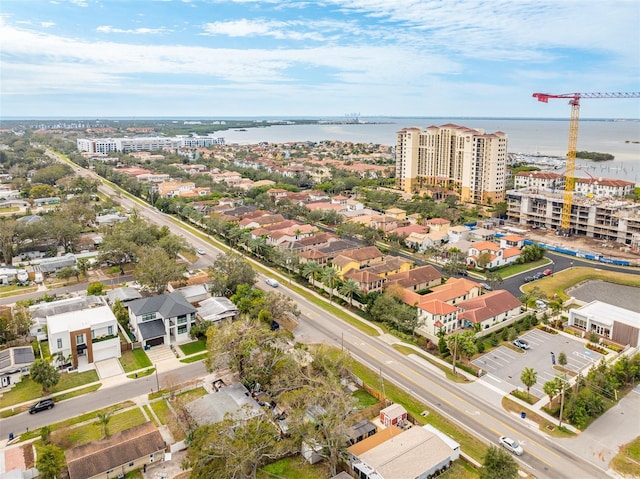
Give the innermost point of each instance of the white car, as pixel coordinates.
(201, 251)
(272, 282)
(511, 445)
(521, 343)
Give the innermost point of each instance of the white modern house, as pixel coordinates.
(15, 363)
(163, 319)
(612, 322)
(83, 337)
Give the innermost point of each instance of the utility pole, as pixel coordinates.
(157, 380)
(455, 352)
(562, 381)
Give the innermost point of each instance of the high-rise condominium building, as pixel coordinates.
(467, 160)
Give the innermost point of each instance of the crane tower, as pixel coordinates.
(574, 101)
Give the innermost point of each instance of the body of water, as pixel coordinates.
(528, 136)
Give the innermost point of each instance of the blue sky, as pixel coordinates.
(215, 58)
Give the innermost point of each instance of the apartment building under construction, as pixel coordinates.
(606, 219)
(464, 159)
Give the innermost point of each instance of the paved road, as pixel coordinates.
(544, 456)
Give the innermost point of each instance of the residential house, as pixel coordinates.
(124, 295)
(604, 187)
(356, 259)
(124, 451)
(52, 265)
(163, 319)
(14, 364)
(493, 255)
(482, 234)
(488, 309)
(233, 399)
(85, 336)
(438, 224)
(416, 279)
(217, 309)
(422, 241)
(512, 241)
(367, 281)
(415, 453)
(458, 233)
(435, 316)
(261, 220)
(547, 180)
(397, 213)
(390, 265)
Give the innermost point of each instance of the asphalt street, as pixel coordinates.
(544, 457)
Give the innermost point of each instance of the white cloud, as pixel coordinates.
(133, 31)
(47, 24)
(263, 27)
(80, 3)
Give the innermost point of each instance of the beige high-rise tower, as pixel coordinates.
(469, 161)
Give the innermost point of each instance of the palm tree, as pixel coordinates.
(330, 277)
(528, 377)
(103, 421)
(348, 289)
(311, 270)
(550, 388)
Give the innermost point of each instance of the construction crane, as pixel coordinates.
(574, 101)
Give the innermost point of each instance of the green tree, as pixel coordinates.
(229, 271)
(494, 279)
(528, 377)
(66, 272)
(562, 359)
(550, 388)
(50, 462)
(173, 244)
(348, 289)
(45, 434)
(102, 421)
(311, 270)
(248, 299)
(236, 447)
(330, 278)
(461, 345)
(44, 374)
(155, 269)
(8, 236)
(95, 289)
(498, 464)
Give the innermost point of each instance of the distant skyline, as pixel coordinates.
(331, 58)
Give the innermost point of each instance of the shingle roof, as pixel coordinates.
(152, 329)
(168, 305)
(123, 447)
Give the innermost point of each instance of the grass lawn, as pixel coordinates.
(546, 426)
(519, 268)
(559, 282)
(141, 374)
(194, 347)
(134, 360)
(134, 475)
(364, 399)
(627, 461)
(11, 289)
(460, 470)
(162, 410)
(293, 468)
(29, 390)
(86, 433)
(193, 359)
(193, 394)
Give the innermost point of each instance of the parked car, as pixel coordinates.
(538, 275)
(528, 279)
(201, 251)
(547, 272)
(521, 343)
(511, 445)
(41, 406)
(272, 282)
(486, 286)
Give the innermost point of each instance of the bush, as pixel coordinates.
(494, 339)
(504, 334)
(480, 345)
(95, 289)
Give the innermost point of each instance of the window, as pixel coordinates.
(182, 329)
(131, 464)
(182, 319)
(80, 339)
(148, 316)
(59, 343)
(110, 330)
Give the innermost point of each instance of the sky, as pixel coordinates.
(329, 58)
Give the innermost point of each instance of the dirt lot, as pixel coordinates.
(605, 248)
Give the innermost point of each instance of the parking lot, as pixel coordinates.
(503, 366)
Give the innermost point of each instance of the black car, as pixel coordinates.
(41, 406)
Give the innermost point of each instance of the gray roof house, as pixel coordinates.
(217, 309)
(15, 363)
(163, 319)
(123, 295)
(233, 399)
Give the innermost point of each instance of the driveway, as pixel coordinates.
(108, 368)
(503, 365)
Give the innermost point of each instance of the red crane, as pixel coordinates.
(574, 101)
